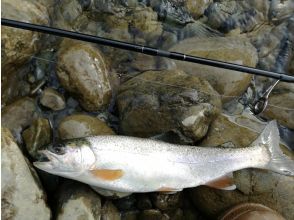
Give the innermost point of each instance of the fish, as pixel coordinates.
(126, 165)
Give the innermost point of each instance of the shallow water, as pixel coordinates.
(84, 89)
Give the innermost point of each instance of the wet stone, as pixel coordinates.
(126, 203)
(110, 212)
(18, 115)
(37, 136)
(22, 196)
(167, 201)
(82, 125)
(52, 99)
(229, 49)
(197, 7)
(152, 214)
(156, 102)
(82, 71)
(143, 202)
(77, 201)
(130, 215)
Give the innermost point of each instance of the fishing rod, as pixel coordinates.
(144, 49)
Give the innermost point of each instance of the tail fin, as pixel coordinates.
(279, 162)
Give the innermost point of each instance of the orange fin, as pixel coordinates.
(108, 175)
(168, 190)
(225, 182)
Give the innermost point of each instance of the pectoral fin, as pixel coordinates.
(225, 182)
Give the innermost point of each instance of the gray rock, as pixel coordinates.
(172, 11)
(82, 71)
(280, 10)
(37, 136)
(155, 102)
(153, 214)
(230, 49)
(77, 201)
(82, 125)
(52, 99)
(21, 194)
(18, 115)
(196, 8)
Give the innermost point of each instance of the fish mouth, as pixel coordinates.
(46, 161)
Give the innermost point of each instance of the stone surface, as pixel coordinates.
(197, 7)
(21, 194)
(281, 105)
(155, 102)
(153, 214)
(82, 72)
(230, 49)
(167, 202)
(37, 136)
(110, 212)
(18, 115)
(52, 99)
(77, 201)
(18, 45)
(81, 125)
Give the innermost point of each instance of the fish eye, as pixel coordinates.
(59, 148)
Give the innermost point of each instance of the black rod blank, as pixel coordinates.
(143, 49)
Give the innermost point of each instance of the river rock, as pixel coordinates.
(153, 214)
(18, 45)
(77, 201)
(22, 196)
(81, 125)
(281, 105)
(110, 212)
(37, 136)
(253, 185)
(156, 102)
(52, 99)
(82, 72)
(167, 202)
(230, 49)
(18, 115)
(196, 8)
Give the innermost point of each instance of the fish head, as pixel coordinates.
(66, 159)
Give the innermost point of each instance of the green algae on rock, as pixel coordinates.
(82, 71)
(82, 125)
(155, 102)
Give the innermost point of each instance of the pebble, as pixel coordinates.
(52, 99)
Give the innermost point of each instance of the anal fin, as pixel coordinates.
(110, 193)
(225, 182)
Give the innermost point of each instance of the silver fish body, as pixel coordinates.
(129, 164)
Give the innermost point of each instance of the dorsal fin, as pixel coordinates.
(225, 182)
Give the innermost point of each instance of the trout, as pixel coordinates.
(127, 165)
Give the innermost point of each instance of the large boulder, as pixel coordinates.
(227, 83)
(82, 72)
(155, 102)
(22, 196)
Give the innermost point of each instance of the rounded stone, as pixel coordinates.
(18, 115)
(156, 102)
(236, 50)
(81, 125)
(52, 99)
(76, 201)
(37, 136)
(21, 193)
(166, 201)
(82, 72)
(197, 7)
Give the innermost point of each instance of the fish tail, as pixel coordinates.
(278, 161)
